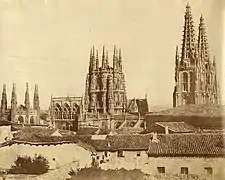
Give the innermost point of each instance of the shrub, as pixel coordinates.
(27, 165)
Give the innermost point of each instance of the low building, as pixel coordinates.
(188, 153)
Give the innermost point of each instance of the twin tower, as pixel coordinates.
(22, 114)
(105, 90)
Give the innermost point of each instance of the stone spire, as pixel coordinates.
(110, 95)
(92, 63)
(14, 96)
(36, 103)
(104, 59)
(97, 61)
(177, 64)
(188, 42)
(115, 58)
(203, 49)
(4, 98)
(120, 60)
(27, 98)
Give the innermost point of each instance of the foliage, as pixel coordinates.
(94, 173)
(28, 165)
(72, 172)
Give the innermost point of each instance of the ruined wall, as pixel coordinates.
(63, 154)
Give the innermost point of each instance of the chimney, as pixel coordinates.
(154, 137)
(166, 130)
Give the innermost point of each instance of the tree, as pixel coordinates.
(28, 165)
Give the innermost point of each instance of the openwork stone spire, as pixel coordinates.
(188, 43)
(203, 49)
(4, 98)
(36, 105)
(14, 96)
(27, 97)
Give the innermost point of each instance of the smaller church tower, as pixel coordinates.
(27, 98)
(13, 103)
(4, 103)
(36, 103)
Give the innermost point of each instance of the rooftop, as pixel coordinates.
(177, 127)
(186, 144)
(204, 110)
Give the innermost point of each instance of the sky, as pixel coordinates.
(48, 42)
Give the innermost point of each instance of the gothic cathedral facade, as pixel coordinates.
(195, 70)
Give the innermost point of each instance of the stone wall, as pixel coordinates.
(63, 154)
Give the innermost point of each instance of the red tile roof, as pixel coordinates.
(186, 144)
(189, 144)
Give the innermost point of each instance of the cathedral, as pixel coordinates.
(105, 90)
(21, 114)
(195, 70)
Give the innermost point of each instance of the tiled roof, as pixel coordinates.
(186, 144)
(177, 126)
(205, 110)
(5, 123)
(168, 145)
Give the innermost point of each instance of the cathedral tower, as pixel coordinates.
(36, 102)
(105, 90)
(195, 74)
(27, 98)
(13, 102)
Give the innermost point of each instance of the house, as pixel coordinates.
(62, 149)
(178, 153)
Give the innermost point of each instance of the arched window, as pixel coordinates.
(66, 111)
(21, 120)
(185, 81)
(58, 111)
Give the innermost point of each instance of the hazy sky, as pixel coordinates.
(48, 42)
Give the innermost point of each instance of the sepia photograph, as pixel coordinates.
(112, 90)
